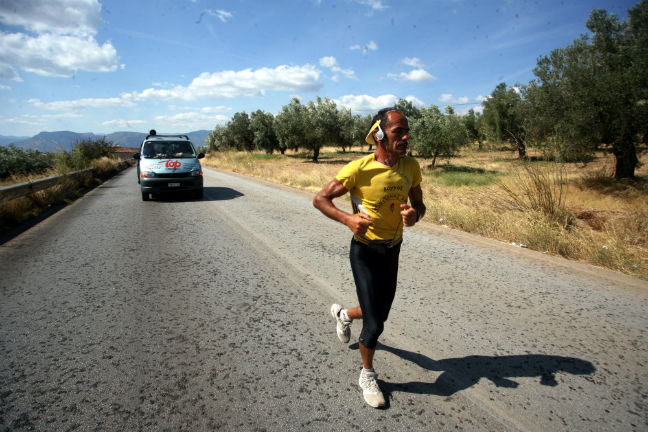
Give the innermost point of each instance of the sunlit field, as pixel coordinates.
(574, 210)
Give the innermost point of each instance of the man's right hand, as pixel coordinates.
(358, 223)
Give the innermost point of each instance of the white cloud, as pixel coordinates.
(413, 61)
(328, 61)
(164, 84)
(19, 121)
(366, 104)
(4, 87)
(64, 42)
(331, 63)
(416, 75)
(231, 84)
(227, 84)
(189, 120)
(33, 121)
(222, 15)
(216, 109)
(55, 116)
(375, 5)
(450, 99)
(371, 46)
(121, 123)
(415, 101)
(76, 17)
(8, 73)
(114, 102)
(57, 55)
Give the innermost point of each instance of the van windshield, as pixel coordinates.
(164, 149)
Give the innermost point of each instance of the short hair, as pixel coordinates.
(382, 115)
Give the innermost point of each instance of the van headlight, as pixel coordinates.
(196, 173)
(147, 174)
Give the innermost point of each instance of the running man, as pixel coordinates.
(380, 185)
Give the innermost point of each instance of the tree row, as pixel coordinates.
(589, 96)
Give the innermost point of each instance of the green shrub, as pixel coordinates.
(16, 161)
(83, 153)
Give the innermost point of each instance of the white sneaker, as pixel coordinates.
(343, 327)
(370, 390)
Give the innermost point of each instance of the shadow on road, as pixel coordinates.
(209, 194)
(221, 193)
(464, 372)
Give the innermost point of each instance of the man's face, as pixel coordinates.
(396, 134)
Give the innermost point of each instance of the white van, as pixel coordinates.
(168, 163)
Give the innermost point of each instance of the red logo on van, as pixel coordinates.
(171, 163)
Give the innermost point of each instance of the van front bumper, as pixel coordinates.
(164, 184)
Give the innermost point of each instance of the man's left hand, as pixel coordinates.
(409, 215)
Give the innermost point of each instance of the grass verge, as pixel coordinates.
(16, 211)
(574, 211)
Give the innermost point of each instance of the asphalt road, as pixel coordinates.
(177, 314)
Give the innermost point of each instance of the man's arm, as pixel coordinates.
(410, 213)
(358, 223)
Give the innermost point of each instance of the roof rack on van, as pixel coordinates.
(153, 133)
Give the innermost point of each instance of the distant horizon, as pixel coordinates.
(65, 140)
(108, 133)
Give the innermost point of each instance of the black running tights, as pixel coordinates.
(375, 271)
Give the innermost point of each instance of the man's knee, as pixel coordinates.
(370, 333)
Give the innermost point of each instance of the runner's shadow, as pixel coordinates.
(464, 372)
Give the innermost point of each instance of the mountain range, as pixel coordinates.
(65, 140)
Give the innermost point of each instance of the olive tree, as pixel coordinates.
(472, 122)
(595, 91)
(291, 125)
(360, 127)
(409, 110)
(219, 138)
(347, 133)
(437, 134)
(240, 130)
(263, 130)
(503, 118)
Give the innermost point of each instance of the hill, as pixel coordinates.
(7, 140)
(65, 140)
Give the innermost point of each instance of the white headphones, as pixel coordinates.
(380, 134)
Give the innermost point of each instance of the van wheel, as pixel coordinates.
(198, 194)
(145, 196)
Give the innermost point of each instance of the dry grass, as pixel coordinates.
(18, 210)
(574, 210)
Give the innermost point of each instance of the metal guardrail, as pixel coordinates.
(16, 191)
(22, 189)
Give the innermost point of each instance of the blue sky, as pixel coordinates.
(182, 65)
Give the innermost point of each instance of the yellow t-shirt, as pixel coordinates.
(381, 190)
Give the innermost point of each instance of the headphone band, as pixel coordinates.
(380, 134)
